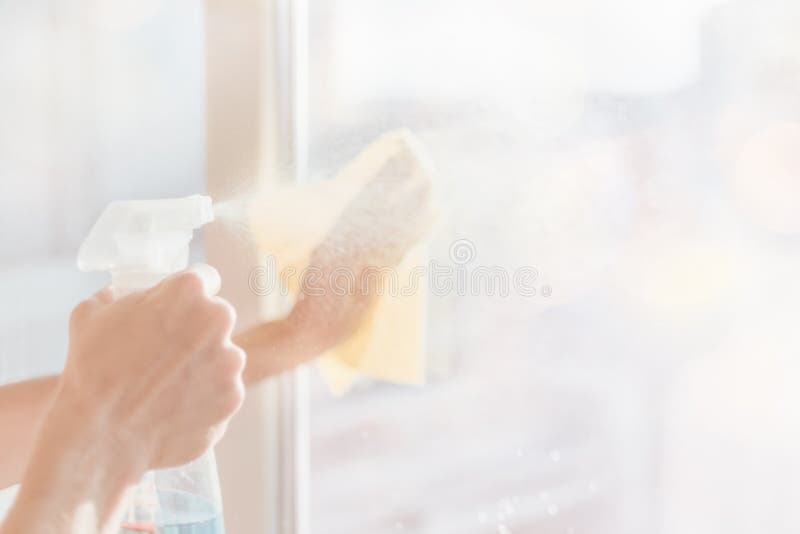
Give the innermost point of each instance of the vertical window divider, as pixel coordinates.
(256, 127)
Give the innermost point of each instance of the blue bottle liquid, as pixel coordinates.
(181, 513)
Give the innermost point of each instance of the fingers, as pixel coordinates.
(199, 280)
(221, 319)
(230, 364)
(208, 276)
(191, 310)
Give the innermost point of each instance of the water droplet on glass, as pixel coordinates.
(502, 529)
(555, 455)
(552, 509)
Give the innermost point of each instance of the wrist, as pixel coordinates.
(100, 419)
(88, 425)
(79, 474)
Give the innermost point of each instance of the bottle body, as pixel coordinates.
(178, 500)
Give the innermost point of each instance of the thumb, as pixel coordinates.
(89, 307)
(104, 296)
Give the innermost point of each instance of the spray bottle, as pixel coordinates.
(140, 243)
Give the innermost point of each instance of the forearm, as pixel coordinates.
(22, 408)
(77, 477)
(273, 347)
(314, 326)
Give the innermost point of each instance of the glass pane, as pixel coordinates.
(97, 103)
(642, 157)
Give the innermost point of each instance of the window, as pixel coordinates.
(637, 155)
(97, 104)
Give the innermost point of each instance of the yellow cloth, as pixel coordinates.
(390, 343)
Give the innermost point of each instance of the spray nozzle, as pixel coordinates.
(144, 237)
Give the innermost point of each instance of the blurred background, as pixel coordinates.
(643, 156)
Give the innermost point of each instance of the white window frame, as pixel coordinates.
(256, 72)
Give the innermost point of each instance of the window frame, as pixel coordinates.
(256, 126)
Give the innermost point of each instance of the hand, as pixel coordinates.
(158, 367)
(387, 218)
